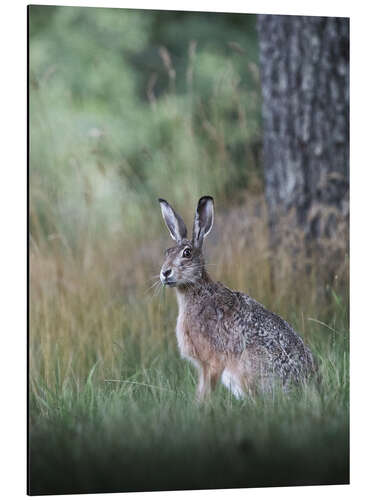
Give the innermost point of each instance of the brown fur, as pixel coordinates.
(222, 332)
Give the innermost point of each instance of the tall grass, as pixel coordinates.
(110, 398)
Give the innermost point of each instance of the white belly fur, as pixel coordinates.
(231, 382)
(180, 333)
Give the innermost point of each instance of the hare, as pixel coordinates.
(226, 334)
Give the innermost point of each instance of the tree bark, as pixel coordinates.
(304, 63)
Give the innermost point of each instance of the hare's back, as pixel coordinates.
(267, 336)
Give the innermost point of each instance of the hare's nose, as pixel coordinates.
(167, 273)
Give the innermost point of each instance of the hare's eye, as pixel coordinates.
(186, 253)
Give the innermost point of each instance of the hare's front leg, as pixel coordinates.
(208, 377)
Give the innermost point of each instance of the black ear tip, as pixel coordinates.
(160, 200)
(205, 199)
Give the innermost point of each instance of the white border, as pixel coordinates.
(13, 226)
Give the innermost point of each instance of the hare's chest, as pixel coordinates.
(192, 338)
(188, 347)
(183, 337)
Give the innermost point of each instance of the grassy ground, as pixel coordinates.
(112, 405)
(147, 433)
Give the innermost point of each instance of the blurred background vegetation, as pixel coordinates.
(134, 105)
(126, 106)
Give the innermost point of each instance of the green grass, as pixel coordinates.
(146, 431)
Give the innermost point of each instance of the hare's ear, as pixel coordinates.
(204, 219)
(173, 221)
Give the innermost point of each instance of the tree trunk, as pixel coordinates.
(304, 63)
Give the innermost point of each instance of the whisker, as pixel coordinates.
(157, 290)
(151, 287)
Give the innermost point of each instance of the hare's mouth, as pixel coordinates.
(170, 283)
